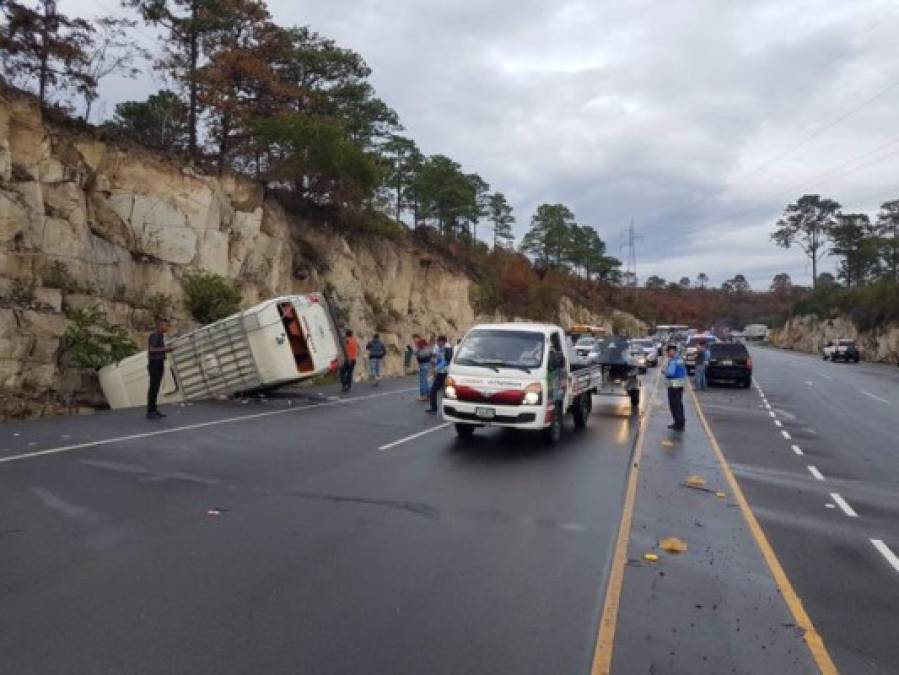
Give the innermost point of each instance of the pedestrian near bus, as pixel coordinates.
(702, 360)
(423, 357)
(376, 352)
(351, 347)
(156, 352)
(443, 354)
(676, 375)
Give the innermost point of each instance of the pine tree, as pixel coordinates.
(500, 214)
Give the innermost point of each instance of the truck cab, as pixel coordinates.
(516, 375)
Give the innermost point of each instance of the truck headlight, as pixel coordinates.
(533, 394)
(449, 390)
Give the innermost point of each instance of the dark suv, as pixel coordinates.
(729, 361)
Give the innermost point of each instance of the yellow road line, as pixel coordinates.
(605, 638)
(803, 621)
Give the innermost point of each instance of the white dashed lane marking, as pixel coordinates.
(844, 505)
(814, 471)
(786, 434)
(796, 449)
(885, 551)
(875, 397)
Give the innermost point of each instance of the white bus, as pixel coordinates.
(277, 342)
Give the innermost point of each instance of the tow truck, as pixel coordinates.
(521, 376)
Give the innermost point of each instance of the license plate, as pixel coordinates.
(727, 362)
(485, 413)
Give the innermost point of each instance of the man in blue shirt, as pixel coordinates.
(443, 354)
(676, 375)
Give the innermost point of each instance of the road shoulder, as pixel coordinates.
(716, 607)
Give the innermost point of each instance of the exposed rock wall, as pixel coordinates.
(811, 334)
(126, 223)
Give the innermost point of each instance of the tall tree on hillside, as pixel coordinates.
(160, 122)
(806, 224)
(41, 44)
(855, 243)
(398, 153)
(444, 192)
(477, 208)
(499, 212)
(888, 229)
(781, 284)
(113, 50)
(547, 239)
(737, 284)
(237, 84)
(684, 282)
(655, 281)
(703, 279)
(186, 22)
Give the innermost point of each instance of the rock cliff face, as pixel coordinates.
(84, 223)
(811, 334)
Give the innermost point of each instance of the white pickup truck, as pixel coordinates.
(518, 375)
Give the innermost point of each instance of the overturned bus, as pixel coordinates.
(277, 342)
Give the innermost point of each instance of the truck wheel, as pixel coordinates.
(580, 411)
(553, 432)
(465, 430)
(824, 356)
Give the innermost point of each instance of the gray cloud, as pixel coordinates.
(637, 110)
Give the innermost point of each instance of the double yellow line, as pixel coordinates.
(605, 640)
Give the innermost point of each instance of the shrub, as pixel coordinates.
(57, 275)
(160, 305)
(209, 296)
(90, 341)
(22, 292)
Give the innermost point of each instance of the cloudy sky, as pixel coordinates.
(696, 120)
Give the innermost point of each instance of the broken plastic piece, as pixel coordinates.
(651, 557)
(673, 545)
(214, 511)
(667, 444)
(720, 495)
(696, 481)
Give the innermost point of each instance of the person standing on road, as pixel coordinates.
(702, 359)
(676, 374)
(423, 357)
(376, 352)
(351, 346)
(156, 352)
(443, 354)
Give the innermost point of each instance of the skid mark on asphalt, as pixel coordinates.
(146, 474)
(418, 508)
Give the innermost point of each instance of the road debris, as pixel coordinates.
(215, 511)
(651, 557)
(720, 495)
(695, 480)
(667, 444)
(673, 545)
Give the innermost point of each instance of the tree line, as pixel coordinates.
(866, 250)
(285, 105)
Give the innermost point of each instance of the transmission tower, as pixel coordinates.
(631, 245)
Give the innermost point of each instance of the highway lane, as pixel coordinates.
(286, 541)
(815, 447)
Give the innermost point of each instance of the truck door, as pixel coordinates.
(556, 367)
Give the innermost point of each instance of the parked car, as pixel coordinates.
(585, 347)
(692, 347)
(841, 350)
(645, 352)
(729, 362)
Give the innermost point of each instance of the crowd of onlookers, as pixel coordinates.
(430, 358)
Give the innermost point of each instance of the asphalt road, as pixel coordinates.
(815, 447)
(276, 537)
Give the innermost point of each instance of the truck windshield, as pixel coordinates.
(585, 342)
(501, 348)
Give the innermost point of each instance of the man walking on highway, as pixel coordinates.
(156, 366)
(702, 359)
(443, 353)
(423, 358)
(376, 352)
(351, 346)
(676, 374)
